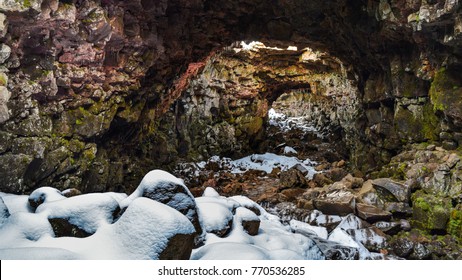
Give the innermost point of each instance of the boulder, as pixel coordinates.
(371, 213)
(317, 218)
(165, 188)
(392, 191)
(336, 251)
(372, 238)
(352, 222)
(431, 212)
(151, 230)
(402, 247)
(308, 230)
(390, 228)
(292, 178)
(336, 203)
(71, 192)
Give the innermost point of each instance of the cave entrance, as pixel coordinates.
(230, 110)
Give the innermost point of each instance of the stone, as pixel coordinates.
(336, 174)
(420, 252)
(308, 230)
(321, 180)
(372, 238)
(5, 52)
(215, 218)
(292, 178)
(336, 251)
(4, 98)
(390, 228)
(398, 209)
(317, 218)
(430, 212)
(402, 247)
(371, 213)
(249, 220)
(165, 188)
(352, 222)
(71, 192)
(13, 167)
(3, 25)
(392, 191)
(336, 203)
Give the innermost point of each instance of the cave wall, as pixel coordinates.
(84, 83)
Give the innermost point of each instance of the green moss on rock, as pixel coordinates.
(430, 212)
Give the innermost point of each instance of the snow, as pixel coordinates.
(88, 212)
(230, 251)
(210, 192)
(4, 213)
(289, 150)
(286, 123)
(307, 229)
(16, 203)
(244, 214)
(267, 162)
(45, 194)
(214, 216)
(339, 235)
(162, 186)
(29, 253)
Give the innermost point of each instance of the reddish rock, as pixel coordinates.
(336, 203)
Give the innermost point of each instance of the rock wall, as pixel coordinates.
(84, 83)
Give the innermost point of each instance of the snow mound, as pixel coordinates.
(4, 213)
(88, 212)
(215, 217)
(165, 188)
(43, 195)
(231, 251)
(16, 203)
(37, 253)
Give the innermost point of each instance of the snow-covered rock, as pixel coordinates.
(80, 215)
(215, 217)
(308, 230)
(165, 188)
(44, 194)
(231, 251)
(248, 219)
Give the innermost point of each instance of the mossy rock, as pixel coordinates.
(430, 212)
(446, 93)
(418, 125)
(455, 222)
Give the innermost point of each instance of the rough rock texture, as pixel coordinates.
(85, 85)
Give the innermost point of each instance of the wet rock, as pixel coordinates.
(165, 188)
(292, 178)
(398, 209)
(44, 195)
(317, 218)
(371, 213)
(336, 251)
(392, 191)
(390, 228)
(402, 247)
(352, 222)
(372, 238)
(420, 252)
(336, 203)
